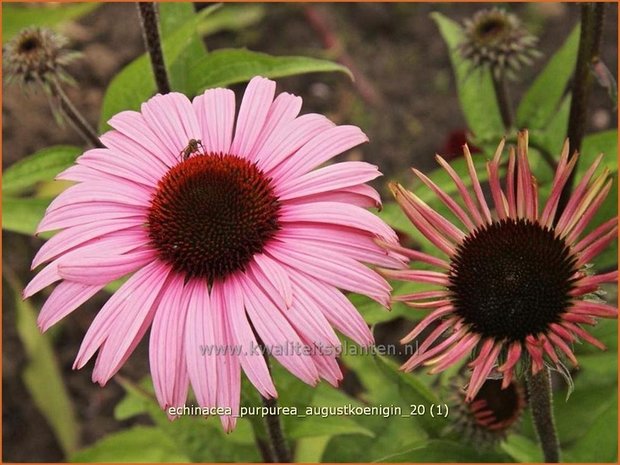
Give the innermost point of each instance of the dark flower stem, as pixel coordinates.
(152, 41)
(281, 452)
(279, 447)
(503, 100)
(541, 404)
(76, 119)
(592, 15)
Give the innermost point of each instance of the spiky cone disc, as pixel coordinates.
(496, 39)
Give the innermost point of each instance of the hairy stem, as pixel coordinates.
(503, 100)
(76, 119)
(541, 404)
(152, 41)
(592, 15)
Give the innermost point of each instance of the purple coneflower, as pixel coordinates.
(515, 286)
(232, 234)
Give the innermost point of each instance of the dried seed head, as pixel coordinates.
(37, 56)
(498, 40)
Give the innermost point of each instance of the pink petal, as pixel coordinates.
(63, 300)
(134, 298)
(228, 369)
(335, 269)
(278, 335)
(284, 109)
(87, 234)
(123, 193)
(336, 308)
(200, 336)
(124, 166)
(89, 212)
(135, 136)
(173, 119)
(282, 143)
(252, 361)
(328, 178)
(130, 325)
(167, 345)
(215, 110)
(319, 149)
(252, 115)
(334, 213)
(102, 269)
(276, 275)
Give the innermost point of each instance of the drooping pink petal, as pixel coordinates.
(201, 344)
(123, 193)
(250, 356)
(64, 299)
(167, 345)
(227, 363)
(137, 294)
(336, 308)
(277, 334)
(276, 275)
(130, 324)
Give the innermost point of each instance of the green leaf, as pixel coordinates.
(599, 443)
(232, 18)
(41, 166)
(443, 451)
(522, 449)
(23, 215)
(135, 83)
(475, 88)
(172, 17)
(231, 66)
(544, 96)
(16, 17)
(313, 426)
(139, 444)
(42, 375)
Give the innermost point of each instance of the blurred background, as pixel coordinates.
(404, 98)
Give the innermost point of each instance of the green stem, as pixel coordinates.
(592, 15)
(541, 405)
(152, 41)
(503, 100)
(76, 119)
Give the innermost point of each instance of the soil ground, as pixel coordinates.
(397, 49)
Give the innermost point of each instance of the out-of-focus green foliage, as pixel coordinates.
(41, 375)
(16, 16)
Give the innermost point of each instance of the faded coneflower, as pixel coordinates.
(233, 236)
(37, 56)
(515, 286)
(496, 39)
(491, 414)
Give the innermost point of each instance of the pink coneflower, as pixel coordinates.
(232, 235)
(515, 287)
